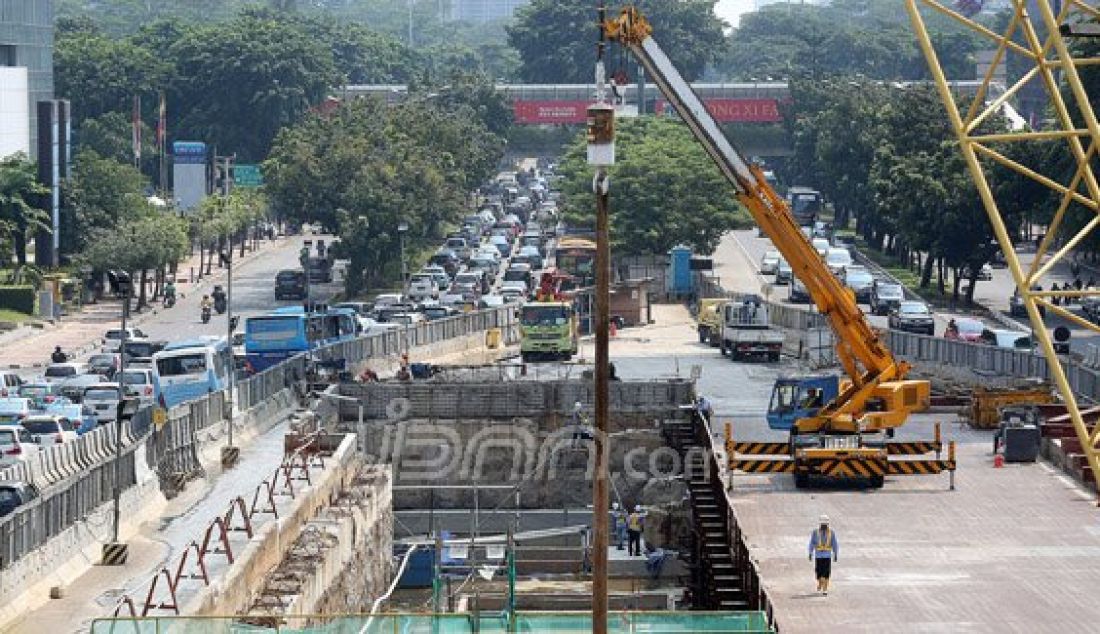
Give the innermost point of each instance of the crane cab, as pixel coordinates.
(799, 397)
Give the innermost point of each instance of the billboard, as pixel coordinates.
(544, 112)
(736, 110)
(188, 174)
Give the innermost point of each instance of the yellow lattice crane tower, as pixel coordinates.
(1040, 33)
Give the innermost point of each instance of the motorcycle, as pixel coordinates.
(169, 300)
(219, 300)
(205, 314)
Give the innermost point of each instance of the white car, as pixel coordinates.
(387, 299)
(16, 445)
(104, 399)
(422, 286)
(406, 320)
(9, 384)
(822, 246)
(770, 262)
(837, 259)
(369, 327)
(439, 274)
(139, 383)
(50, 429)
(57, 372)
(112, 340)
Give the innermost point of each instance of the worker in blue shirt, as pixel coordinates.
(823, 552)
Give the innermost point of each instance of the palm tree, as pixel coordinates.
(20, 212)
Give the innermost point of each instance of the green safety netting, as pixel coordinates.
(619, 622)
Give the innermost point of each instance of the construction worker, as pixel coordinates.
(618, 523)
(579, 423)
(635, 523)
(823, 552)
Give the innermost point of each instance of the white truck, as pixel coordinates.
(746, 333)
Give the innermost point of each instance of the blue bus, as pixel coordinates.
(275, 337)
(187, 370)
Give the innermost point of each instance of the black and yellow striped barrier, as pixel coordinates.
(762, 466)
(115, 553)
(760, 448)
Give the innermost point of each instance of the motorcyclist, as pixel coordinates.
(169, 292)
(206, 305)
(58, 356)
(219, 299)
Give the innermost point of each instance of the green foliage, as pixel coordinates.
(872, 39)
(151, 241)
(22, 206)
(367, 167)
(555, 38)
(665, 190)
(101, 74)
(102, 193)
(17, 298)
(111, 136)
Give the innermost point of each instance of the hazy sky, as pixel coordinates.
(731, 10)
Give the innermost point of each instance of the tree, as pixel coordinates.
(152, 241)
(21, 211)
(239, 82)
(101, 74)
(554, 38)
(368, 167)
(665, 190)
(111, 136)
(101, 194)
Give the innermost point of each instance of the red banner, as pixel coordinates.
(535, 112)
(743, 110)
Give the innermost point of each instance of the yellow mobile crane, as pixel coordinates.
(836, 428)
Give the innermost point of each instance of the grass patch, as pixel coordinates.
(14, 316)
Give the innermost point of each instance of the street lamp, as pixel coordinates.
(401, 229)
(115, 552)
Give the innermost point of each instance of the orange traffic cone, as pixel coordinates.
(998, 461)
(614, 329)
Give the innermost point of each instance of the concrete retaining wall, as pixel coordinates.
(235, 591)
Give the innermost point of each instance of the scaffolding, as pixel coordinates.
(1038, 32)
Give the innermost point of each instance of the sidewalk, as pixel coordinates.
(79, 334)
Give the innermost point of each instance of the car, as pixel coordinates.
(798, 293)
(140, 382)
(502, 244)
(489, 251)
(770, 262)
(9, 384)
(836, 258)
(320, 270)
(73, 389)
(433, 313)
(56, 372)
(481, 262)
(513, 294)
(290, 284)
(104, 399)
(141, 349)
(83, 416)
(369, 327)
(475, 280)
(447, 259)
(966, 329)
(985, 273)
(50, 429)
(422, 286)
(1089, 305)
(106, 363)
(406, 319)
(783, 272)
(112, 339)
(147, 362)
(913, 316)
(439, 274)
(1008, 339)
(822, 246)
(387, 299)
(16, 445)
(14, 494)
(459, 246)
(15, 408)
(41, 392)
(860, 280)
(886, 295)
(360, 308)
(491, 301)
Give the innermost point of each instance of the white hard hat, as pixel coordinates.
(824, 519)
(637, 507)
(615, 505)
(577, 405)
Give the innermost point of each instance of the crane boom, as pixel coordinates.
(877, 398)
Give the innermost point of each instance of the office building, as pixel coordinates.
(26, 41)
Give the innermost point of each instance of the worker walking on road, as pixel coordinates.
(634, 525)
(823, 552)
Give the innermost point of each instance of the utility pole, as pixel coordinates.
(230, 453)
(601, 155)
